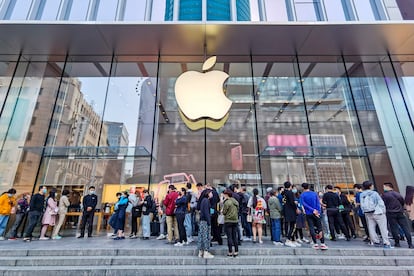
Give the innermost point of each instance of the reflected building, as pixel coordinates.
(320, 92)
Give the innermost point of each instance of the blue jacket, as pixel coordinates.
(181, 205)
(310, 202)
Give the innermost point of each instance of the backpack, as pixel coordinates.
(368, 202)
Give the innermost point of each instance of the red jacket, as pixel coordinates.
(169, 203)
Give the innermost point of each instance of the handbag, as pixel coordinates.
(220, 219)
(249, 218)
(53, 211)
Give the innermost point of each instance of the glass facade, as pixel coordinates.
(204, 10)
(113, 122)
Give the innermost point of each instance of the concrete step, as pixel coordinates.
(228, 269)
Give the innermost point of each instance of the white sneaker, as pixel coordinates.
(2, 238)
(341, 237)
(305, 240)
(200, 253)
(297, 244)
(289, 243)
(299, 241)
(278, 243)
(207, 255)
(178, 244)
(189, 240)
(161, 237)
(247, 239)
(43, 238)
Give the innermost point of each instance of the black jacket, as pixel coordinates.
(205, 210)
(394, 202)
(37, 203)
(89, 201)
(331, 200)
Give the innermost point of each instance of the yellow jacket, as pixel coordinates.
(6, 204)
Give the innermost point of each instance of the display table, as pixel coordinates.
(79, 215)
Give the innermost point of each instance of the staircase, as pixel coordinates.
(169, 260)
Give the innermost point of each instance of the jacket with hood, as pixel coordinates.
(231, 210)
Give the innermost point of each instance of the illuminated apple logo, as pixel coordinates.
(200, 96)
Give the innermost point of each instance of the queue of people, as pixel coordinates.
(205, 213)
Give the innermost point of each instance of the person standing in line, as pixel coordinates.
(89, 203)
(204, 227)
(394, 205)
(289, 212)
(358, 191)
(136, 210)
(190, 213)
(345, 211)
(49, 217)
(162, 219)
(119, 219)
(275, 211)
(7, 202)
(63, 209)
(312, 209)
(332, 201)
(409, 203)
(244, 211)
(21, 212)
(374, 209)
(147, 205)
(169, 202)
(257, 207)
(231, 220)
(180, 212)
(37, 203)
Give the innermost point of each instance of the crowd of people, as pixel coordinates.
(295, 215)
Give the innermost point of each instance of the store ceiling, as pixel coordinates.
(179, 39)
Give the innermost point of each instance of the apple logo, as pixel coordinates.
(200, 96)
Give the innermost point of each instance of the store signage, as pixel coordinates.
(245, 176)
(201, 97)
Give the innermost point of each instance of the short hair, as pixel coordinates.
(287, 184)
(329, 187)
(366, 185)
(357, 186)
(118, 194)
(228, 192)
(41, 187)
(65, 192)
(338, 188)
(92, 187)
(305, 186)
(199, 184)
(145, 191)
(279, 189)
(171, 187)
(389, 184)
(188, 185)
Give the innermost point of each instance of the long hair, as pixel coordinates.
(409, 194)
(255, 193)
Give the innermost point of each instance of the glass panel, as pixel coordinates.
(190, 10)
(308, 10)
(134, 10)
(79, 10)
(334, 10)
(6, 72)
(25, 122)
(50, 10)
(158, 10)
(20, 10)
(276, 10)
(243, 10)
(107, 10)
(218, 10)
(364, 10)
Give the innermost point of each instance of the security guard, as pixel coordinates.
(89, 203)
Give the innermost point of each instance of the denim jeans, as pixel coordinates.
(276, 229)
(187, 225)
(3, 223)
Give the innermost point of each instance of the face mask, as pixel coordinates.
(91, 192)
(10, 195)
(123, 196)
(294, 191)
(386, 190)
(44, 191)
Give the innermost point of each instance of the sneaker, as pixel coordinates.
(27, 239)
(119, 238)
(111, 235)
(178, 244)
(260, 241)
(189, 240)
(341, 237)
(297, 244)
(299, 241)
(133, 236)
(315, 246)
(207, 255)
(43, 238)
(56, 237)
(2, 238)
(12, 239)
(278, 243)
(305, 240)
(161, 237)
(200, 253)
(388, 246)
(289, 243)
(323, 246)
(247, 239)
(81, 237)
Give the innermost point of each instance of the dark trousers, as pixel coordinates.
(314, 221)
(134, 223)
(194, 223)
(398, 219)
(246, 226)
(181, 229)
(17, 223)
(33, 219)
(87, 218)
(232, 236)
(289, 227)
(215, 230)
(364, 224)
(346, 217)
(335, 218)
